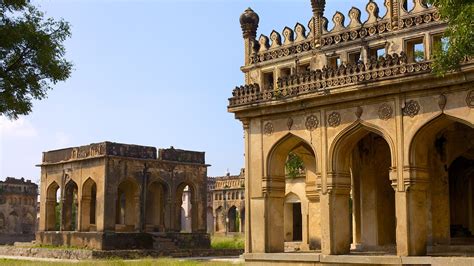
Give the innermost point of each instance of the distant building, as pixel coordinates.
(18, 202)
(226, 199)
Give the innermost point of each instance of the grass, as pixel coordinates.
(227, 242)
(144, 262)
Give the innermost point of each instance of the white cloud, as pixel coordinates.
(17, 128)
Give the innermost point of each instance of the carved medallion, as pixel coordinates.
(334, 119)
(359, 112)
(411, 108)
(442, 101)
(470, 99)
(289, 123)
(311, 122)
(268, 128)
(385, 111)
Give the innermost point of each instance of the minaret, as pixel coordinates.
(318, 13)
(249, 23)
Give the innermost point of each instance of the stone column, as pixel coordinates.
(274, 193)
(412, 213)
(335, 216)
(313, 193)
(49, 212)
(84, 214)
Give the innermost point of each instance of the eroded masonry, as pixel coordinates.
(119, 196)
(18, 210)
(387, 148)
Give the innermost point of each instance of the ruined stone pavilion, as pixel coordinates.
(387, 147)
(118, 196)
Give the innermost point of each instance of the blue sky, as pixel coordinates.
(155, 73)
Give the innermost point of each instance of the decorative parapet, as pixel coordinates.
(98, 150)
(266, 49)
(321, 82)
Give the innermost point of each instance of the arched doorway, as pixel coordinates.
(444, 149)
(70, 207)
(362, 158)
(127, 206)
(157, 195)
(187, 208)
(279, 181)
(88, 205)
(220, 220)
(293, 218)
(53, 206)
(461, 199)
(233, 220)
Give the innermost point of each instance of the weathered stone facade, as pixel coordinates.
(18, 199)
(388, 147)
(119, 196)
(227, 203)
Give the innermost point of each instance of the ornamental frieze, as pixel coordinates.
(311, 123)
(470, 99)
(411, 108)
(268, 129)
(385, 111)
(334, 119)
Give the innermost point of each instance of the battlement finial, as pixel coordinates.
(249, 23)
(318, 16)
(318, 7)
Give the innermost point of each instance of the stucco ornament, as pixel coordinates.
(385, 111)
(334, 119)
(411, 108)
(268, 128)
(470, 99)
(289, 123)
(311, 123)
(442, 100)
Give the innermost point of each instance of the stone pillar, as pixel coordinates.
(48, 224)
(313, 193)
(412, 213)
(84, 214)
(274, 199)
(335, 216)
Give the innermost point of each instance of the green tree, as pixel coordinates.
(460, 34)
(294, 165)
(31, 56)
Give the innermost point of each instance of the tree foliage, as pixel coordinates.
(460, 34)
(294, 165)
(31, 56)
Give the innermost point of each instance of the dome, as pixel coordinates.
(249, 17)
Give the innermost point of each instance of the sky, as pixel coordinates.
(153, 73)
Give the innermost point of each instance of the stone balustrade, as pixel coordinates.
(323, 81)
(296, 41)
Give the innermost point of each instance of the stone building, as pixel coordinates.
(18, 199)
(119, 196)
(388, 147)
(227, 203)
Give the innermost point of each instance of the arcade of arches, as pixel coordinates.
(126, 189)
(354, 195)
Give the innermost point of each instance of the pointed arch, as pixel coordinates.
(70, 206)
(347, 138)
(127, 206)
(426, 134)
(52, 216)
(88, 205)
(279, 152)
(186, 199)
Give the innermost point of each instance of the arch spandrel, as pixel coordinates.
(426, 133)
(345, 140)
